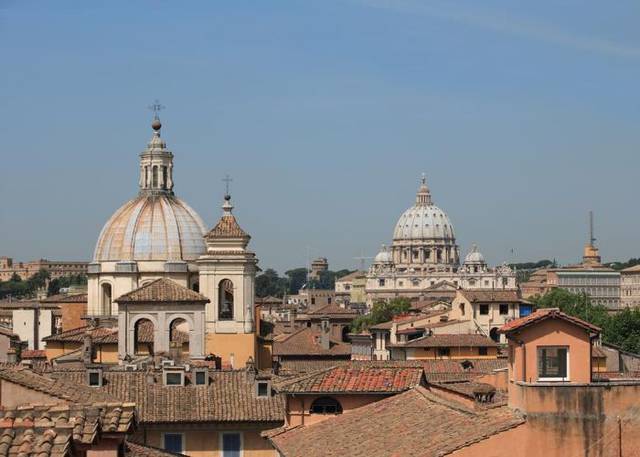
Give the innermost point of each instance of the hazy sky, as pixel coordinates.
(524, 115)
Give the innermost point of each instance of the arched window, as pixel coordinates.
(146, 176)
(195, 286)
(179, 335)
(325, 405)
(462, 309)
(225, 300)
(154, 184)
(143, 338)
(106, 299)
(164, 177)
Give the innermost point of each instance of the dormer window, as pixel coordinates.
(200, 377)
(173, 377)
(263, 389)
(94, 378)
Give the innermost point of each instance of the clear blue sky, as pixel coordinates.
(524, 115)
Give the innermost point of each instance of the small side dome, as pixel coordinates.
(384, 256)
(474, 256)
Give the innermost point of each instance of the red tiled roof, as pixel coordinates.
(230, 396)
(143, 450)
(490, 295)
(160, 291)
(415, 423)
(544, 314)
(227, 227)
(406, 319)
(448, 340)
(333, 309)
(306, 341)
(351, 379)
(103, 335)
(55, 430)
(33, 354)
(66, 298)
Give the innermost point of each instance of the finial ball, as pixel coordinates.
(156, 124)
(227, 197)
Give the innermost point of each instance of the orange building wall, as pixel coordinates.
(552, 332)
(298, 407)
(241, 345)
(455, 353)
(72, 314)
(206, 443)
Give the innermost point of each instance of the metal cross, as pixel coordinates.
(227, 180)
(156, 107)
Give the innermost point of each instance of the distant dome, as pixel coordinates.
(474, 256)
(424, 220)
(384, 256)
(152, 227)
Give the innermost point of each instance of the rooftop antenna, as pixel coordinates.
(592, 239)
(362, 259)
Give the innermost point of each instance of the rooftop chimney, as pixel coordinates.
(325, 332)
(87, 348)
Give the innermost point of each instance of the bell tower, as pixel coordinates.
(227, 277)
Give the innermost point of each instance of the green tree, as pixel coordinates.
(297, 278)
(578, 305)
(270, 283)
(382, 311)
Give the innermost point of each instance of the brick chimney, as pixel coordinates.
(87, 348)
(325, 333)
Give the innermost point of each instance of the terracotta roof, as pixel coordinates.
(544, 314)
(307, 365)
(160, 291)
(54, 430)
(351, 276)
(33, 354)
(306, 341)
(229, 397)
(227, 227)
(407, 319)
(142, 450)
(66, 298)
(333, 309)
(597, 351)
(448, 340)
(348, 379)
(8, 332)
(489, 295)
(633, 269)
(416, 423)
(104, 335)
(77, 391)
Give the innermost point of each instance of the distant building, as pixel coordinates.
(319, 265)
(31, 320)
(351, 288)
(601, 283)
(424, 254)
(56, 268)
(630, 287)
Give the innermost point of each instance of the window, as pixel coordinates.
(173, 378)
(201, 378)
(484, 310)
(329, 300)
(174, 442)
(483, 351)
(313, 300)
(94, 378)
(231, 444)
(444, 352)
(504, 308)
(381, 282)
(553, 363)
(325, 405)
(225, 300)
(262, 389)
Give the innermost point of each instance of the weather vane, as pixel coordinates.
(227, 181)
(156, 107)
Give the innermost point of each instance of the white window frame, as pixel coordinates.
(184, 440)
(552, 379)
(231, 432)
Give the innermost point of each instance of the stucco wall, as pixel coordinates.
(72, 314)
(455, 353)
(206, 443)
(241, 345)
(15, 395)
(552, 332)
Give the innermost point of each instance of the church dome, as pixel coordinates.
(384, 256)
(152, 227)
(424, 220)
(156, 225)
(474, 256)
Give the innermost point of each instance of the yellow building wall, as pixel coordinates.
(454, 353)
(206, 443)
(265, 355)
(224, 345)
